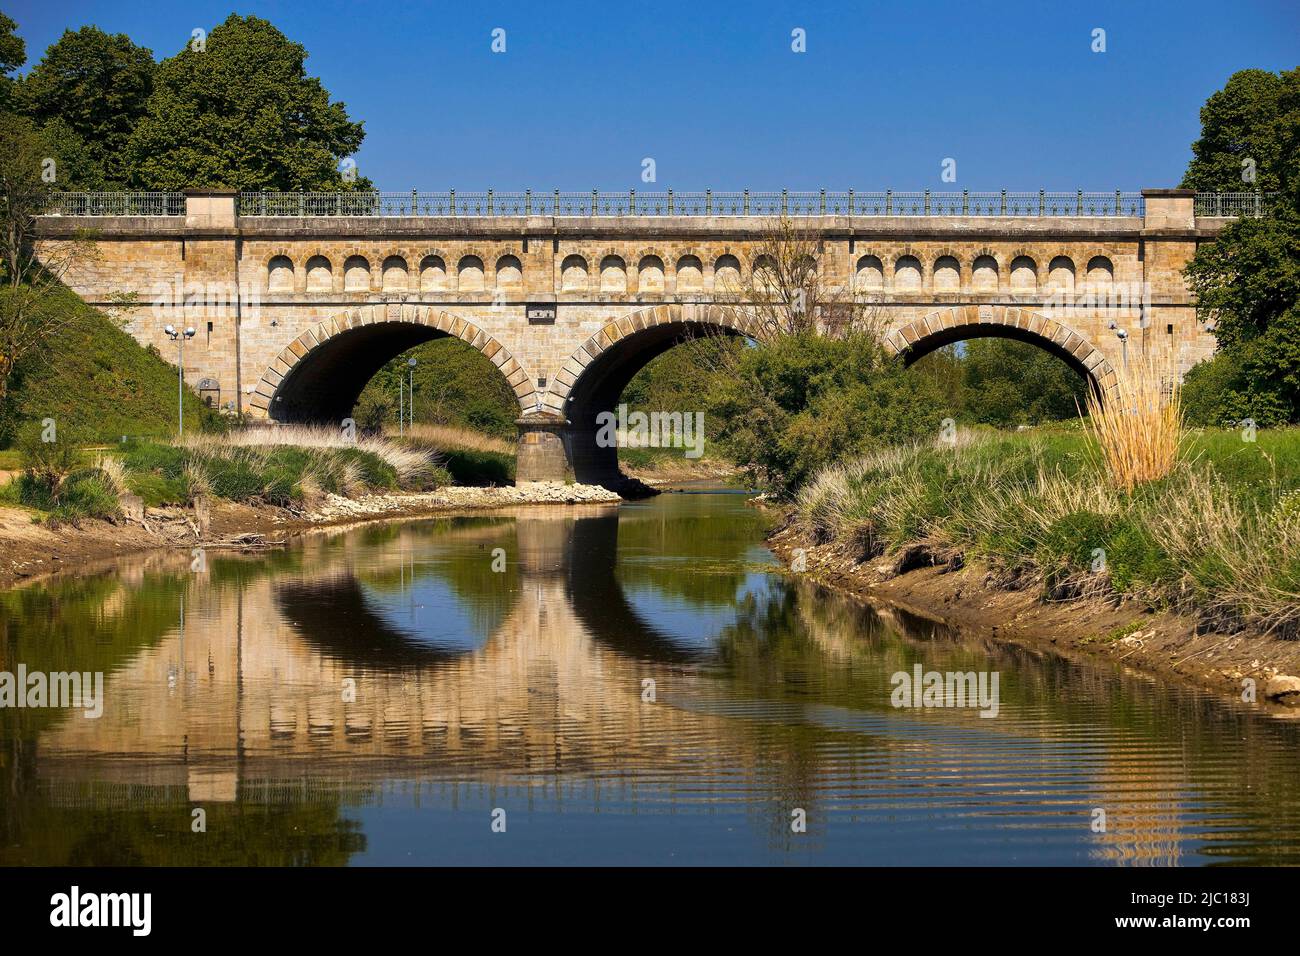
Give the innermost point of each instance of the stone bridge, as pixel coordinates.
(298, 303)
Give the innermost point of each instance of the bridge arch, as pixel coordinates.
(922, 336)
(595, 375)
(318, 377)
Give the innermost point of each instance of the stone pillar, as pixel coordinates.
(211, 268)
(540, 454)
(1169, 208)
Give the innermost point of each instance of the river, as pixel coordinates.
(631, 685)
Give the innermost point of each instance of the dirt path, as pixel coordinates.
(1157, 642)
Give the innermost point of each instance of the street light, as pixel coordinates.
(179, 338)
(410, 392)
(1123, 340)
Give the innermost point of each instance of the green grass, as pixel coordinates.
(97, 383)
(479, 468)
(1220, 535)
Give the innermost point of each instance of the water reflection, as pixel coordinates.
(634, 686)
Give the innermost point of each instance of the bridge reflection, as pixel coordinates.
(255, 684)
(529, 681)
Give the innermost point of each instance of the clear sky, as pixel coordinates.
(713, 92)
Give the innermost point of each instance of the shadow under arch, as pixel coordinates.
(319, 376)
(919, 338)
(599, 371)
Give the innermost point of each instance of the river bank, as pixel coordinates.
(937, 584)
(33, 550)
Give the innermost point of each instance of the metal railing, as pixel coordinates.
(117, 204)
(1233, 205)
(706, 203)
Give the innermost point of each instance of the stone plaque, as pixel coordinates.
(540, 313)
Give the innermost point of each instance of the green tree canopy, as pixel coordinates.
(1253, 122)
(13, 54)
(240, 112)
(1247, 281)
(95, 86)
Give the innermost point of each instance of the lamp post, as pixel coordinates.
(410, 392)
(1123, 341)
(179, 338)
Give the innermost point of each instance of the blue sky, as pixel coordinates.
(714, 94)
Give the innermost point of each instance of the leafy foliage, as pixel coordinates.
(94, 88)
(242, 114)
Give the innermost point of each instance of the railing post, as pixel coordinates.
(451, 198)
(927, 202)
(301, 200)
(594, 203)
(1078, 203)
(555, 211)
(631, 202)
(850, 202)
(889, 202)
(528, 202)
(708, 202)
(823, 202)
(746, 202)
(1042, 198)
(1004, 202)
(1117, 201)
(965, 202)
(489, 202)
(784, 202)
(670, 202)
(1259, 204)
(415, 201)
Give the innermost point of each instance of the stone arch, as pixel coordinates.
(356, 274)
(280, 274)
(1023, 275)
(945, 326)
(575, 273)
(613, 274)
(985, 273)
(650, 272)
(1061, 271)
(688, 272)
(470, 273)
(433, 273)
(907, 274)
(946, 275)
(509, 272)
(726, 274)
(320, 274)
(594, 376)
(319, 375)
(393, 274)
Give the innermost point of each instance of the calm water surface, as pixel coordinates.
(525, 690)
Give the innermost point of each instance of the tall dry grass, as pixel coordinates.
(453, 438)
(1138, 428)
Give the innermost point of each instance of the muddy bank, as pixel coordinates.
(29, 550)
(1127, 632)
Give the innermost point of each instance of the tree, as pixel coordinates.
(1247, 281)
(13, 54)
(240, 112)
(97, 86)
(29, 309)
(1249, 135)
